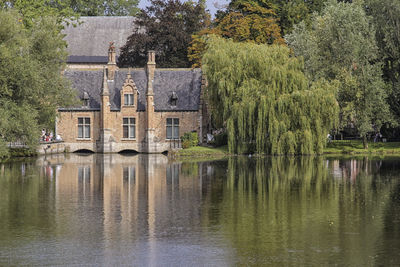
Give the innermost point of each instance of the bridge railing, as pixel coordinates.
(16, 144)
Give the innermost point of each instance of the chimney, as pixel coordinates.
(104, 88)
(105, 142)
(151, 55)
(151, 66)
(112, 64)
(150, 129)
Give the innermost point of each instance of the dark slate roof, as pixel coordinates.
(186, 83)
(91, 38)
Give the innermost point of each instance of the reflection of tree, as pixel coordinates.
(273, 210)
(389, 244)
(293, 211)
(26, 200)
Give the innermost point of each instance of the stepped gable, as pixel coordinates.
(186, 83)
(88, 40)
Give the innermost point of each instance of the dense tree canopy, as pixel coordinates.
(243, 22)
(386, 17)
(70, 10)
(341, 46)
(295, 11)
(288, 12)
(166, 27)
(105, 7)
(36, 9)
(260, 94)
(31, 87)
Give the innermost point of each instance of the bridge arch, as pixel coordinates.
(128, 152)
(84, 151)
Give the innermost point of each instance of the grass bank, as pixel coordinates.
(200, 152)
(344, 147)
(356, 147)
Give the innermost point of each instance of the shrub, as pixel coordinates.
(3, 149)
(221, 139)
(189, 140)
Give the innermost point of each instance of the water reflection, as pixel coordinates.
(146, 210)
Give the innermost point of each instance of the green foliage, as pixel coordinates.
(386, 18)
(3, 149)
(169, 25)
(221, 139)
(67, 10)
(288, 13)
(341, 47)
(356, 147)
(190, 140)
(31, 87)
(296, 11)
(243, 22)
(261, 95)
(200, 153)
(104, 7)
(33, 10)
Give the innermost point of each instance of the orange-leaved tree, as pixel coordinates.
(248, 22)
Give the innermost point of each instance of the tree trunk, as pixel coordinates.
(365, 143)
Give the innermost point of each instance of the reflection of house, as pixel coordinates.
(146, 110)
(348, 169)
(131, 194)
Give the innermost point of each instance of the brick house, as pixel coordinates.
(146, 110)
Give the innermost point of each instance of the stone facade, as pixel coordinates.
(146, 111)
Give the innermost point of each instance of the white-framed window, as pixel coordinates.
(129, 128)
(83, 127)
(128, 100)
(172, 128)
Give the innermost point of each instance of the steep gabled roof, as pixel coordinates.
(89, 41)
(186, 83)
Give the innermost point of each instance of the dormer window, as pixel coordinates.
(85, 99)
(128, 99)
(173, 98)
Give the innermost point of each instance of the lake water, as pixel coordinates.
(145, 210)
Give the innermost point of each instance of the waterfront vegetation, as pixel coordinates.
(344, 36)
(31, 87)
(260, 98)
(270, 110)
(201, 152)
(336, 147)
(357, 147)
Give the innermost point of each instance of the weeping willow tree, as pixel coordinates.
(260, 94)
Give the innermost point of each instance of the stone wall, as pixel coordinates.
(67, 128)
(51, 148)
